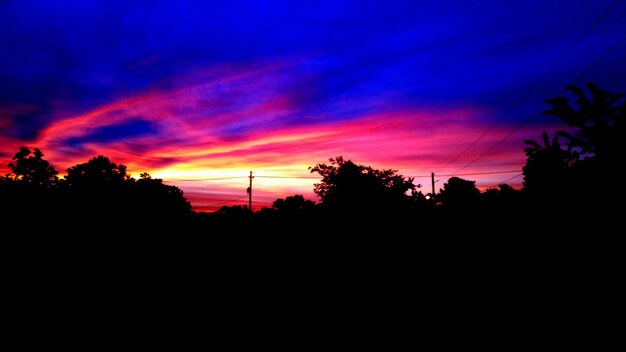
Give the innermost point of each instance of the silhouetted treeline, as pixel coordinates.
(565, 187)
(573, 174)
(96, 195)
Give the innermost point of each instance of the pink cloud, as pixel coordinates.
(218, 124)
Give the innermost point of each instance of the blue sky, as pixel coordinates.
(306, 64)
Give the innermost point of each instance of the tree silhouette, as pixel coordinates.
(504, 201)
(97, 189)
(459, 194)
(103, 188)
(547, 166)
(594, 150)
(288, 212)
(599, 122)
(293, 204)
(98, 173)
(30, 167)
(29, 192)
(348, 186)
(150, 198)
(231, 219)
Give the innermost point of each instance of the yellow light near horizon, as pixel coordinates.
(193, 173)
(271, 175)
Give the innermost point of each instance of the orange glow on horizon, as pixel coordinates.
(209, 152)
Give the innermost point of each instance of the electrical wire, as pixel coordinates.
(507, 180)
(305, 177)
(533, 86)
(319, 177)
(526, 121)
(205, 179)
(482, 173)
(224, 203)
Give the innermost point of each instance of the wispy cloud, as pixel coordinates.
(214, 124)
(197, 90)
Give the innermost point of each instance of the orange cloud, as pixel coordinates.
(209, 130)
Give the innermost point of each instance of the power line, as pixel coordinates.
(507, 180)
(530, 89)
(305, 177)
(500, 164)
(226, 202)
(600, 59)
(467, 174)
(483, 173)
(526, 121)
(205, 179)
(521, 125)
(235, 177)
(317, 178)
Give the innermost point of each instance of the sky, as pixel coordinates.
(200, 93)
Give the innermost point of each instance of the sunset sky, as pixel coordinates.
(201, 92)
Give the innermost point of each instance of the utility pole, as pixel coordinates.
(432, 177)
(250, 192)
